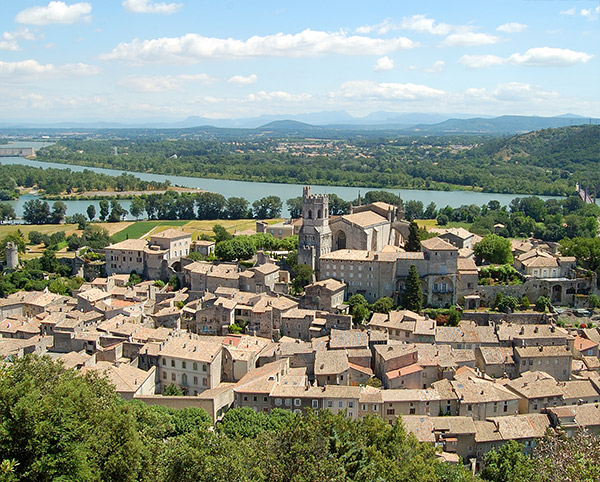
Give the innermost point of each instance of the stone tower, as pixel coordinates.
(12, 255)
(315, 234)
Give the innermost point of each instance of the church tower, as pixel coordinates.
(315, 234)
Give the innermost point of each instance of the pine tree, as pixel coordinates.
(413, 294)
(413, 243)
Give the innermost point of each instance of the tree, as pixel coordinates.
(104, 209)
(507, 304)
(210, 205)
(359, 308)
(338, 206)
(36, 212)
(268, 207)
(374, 382)
(91, 212)
(294, 206)
(221, 234)
(172, 390)
(412, 299)
(303, 275)
(59, 210)
(413, 209)
(509, 464)
(380, 196)
(430, 211)
(137, 206)
(116, 211)
(494, 249)
(7, 212)
(413, 243)
(383, 305)
(543, 303)
(59, 425)
(35, 237)
(442, 219)
(237, 208)
(525, 303)
(559, 457)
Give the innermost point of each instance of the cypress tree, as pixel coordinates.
(413, 243)
(413, 294)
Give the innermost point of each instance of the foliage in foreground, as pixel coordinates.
(58, 425)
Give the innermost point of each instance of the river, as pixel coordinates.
(256, 190)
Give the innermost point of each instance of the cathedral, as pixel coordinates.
(371, 228)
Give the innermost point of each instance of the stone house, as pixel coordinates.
(554, 360)
(193, 364)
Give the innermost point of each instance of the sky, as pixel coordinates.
(136, 60)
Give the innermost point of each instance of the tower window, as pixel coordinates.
(309, 214)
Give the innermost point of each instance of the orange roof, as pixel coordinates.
(583, 344)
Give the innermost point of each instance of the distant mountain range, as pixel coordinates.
(407, 123)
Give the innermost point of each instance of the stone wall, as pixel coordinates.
(487, 318)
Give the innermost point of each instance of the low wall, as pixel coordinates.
(487, 318)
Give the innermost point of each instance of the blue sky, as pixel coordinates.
(131, 60)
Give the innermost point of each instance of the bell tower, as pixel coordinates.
(314, 239)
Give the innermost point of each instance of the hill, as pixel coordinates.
(571, 151)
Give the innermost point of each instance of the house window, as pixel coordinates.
(173, 376)
(195, 380)
(315, 404)
(469, 407)
(341, 404)
(195, 366)
(350, 404)
(329, 404)
(278, 402)
(164, 361)
(363, 408)
(203, 368)
(375, 407)
(297, 402)
(172, 363)
(165, 375)
(183, 364)
(390, 411)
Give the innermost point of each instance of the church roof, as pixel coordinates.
(365, 219)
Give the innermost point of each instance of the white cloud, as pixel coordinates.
(308, 43)
(570, 11)
(55, 12)
(511, 27)
(591, 13)
(535, 57)
(10, 40)
(369, 90)
(481, 61)
(383, 64)
(437, 67)
(157, 83)
(423, 24)
(511, 92)
(469, 39)
(24, 69)
(241, 80)
(147, 6)
(550, 57)
(417, 23)
(277, 96)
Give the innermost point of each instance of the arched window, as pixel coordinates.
(184, 379)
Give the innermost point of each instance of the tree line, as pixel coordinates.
(546, 162)
(59, 181)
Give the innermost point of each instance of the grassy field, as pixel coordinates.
(138, 229)
(42, 228)
(432, 223)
